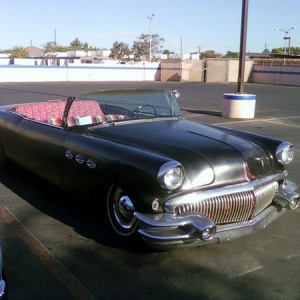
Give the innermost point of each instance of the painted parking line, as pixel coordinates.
(284, 124)
(68, 280)
(268, 120)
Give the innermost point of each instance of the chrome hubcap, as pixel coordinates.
(124, 211)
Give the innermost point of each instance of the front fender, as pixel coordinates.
(268, 144)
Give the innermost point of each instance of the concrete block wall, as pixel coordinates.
(216, 70)
(210, 70)
(233, 70)
(92, 72)
(193, 70)
(285, 75)
(226, 70)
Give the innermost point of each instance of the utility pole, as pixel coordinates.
(181, 48)
(199, 51)
(150, 36)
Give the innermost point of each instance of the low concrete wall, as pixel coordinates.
(216, 70)
(233, 70)
(171, 70)
(210, 70)
(284, 75)
(120, 72)
(193, 70)
(226, 70)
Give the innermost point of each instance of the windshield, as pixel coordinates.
(120, 105)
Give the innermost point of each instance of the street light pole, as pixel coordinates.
(240, 104)
(242, 55)
(286, 32)
(150, 37)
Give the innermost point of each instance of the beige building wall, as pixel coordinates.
(216, 70)
(193, 70)
(233, 70)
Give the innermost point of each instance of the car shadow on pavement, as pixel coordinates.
(85, 215)
(203, 112)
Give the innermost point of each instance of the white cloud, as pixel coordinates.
(129, 32)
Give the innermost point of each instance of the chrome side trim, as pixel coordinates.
(69, 154)
(80, 159)
(91, 164)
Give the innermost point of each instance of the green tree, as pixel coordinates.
(51, 47)
(291, 50)
(19, 52)
(144, 45)
(139, 49)
(277, 50)
(295, 50)
(168, 52)
(86, 46)
(266, 51)
(76, 44)
(210, 54)
(120, 50)
(230, 54)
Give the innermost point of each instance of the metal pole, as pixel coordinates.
(285, 42)
(150, 37)
(244, 21)
(285, 37)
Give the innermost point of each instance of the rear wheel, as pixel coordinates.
(120, 213)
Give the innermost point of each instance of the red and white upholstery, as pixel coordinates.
(81, 112)
(85, 108)
(72, 121)
(42, 111)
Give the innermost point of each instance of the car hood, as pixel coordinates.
(201, 149)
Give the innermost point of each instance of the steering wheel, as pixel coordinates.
(139, 110)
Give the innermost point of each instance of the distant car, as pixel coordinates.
(174, 182)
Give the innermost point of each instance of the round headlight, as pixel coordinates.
(285, 153)
(171, 175)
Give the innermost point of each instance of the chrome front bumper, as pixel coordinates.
(170, 230)
(165, 232)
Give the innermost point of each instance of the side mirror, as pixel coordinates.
(176, 94)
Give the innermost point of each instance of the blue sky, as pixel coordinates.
(189, 25)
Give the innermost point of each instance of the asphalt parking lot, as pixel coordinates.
(57, 248)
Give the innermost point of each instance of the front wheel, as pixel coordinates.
(120, 213)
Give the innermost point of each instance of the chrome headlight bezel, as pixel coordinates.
(171, 175)
(285, 153)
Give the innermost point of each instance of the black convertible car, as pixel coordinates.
(174, 182)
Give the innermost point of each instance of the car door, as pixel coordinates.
(84, 168)
(42, 150)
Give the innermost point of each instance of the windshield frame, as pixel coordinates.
(124, 105)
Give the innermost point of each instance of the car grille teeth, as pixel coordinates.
(235, 207)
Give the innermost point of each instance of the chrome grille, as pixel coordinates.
(234, 207)
(264, 196)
